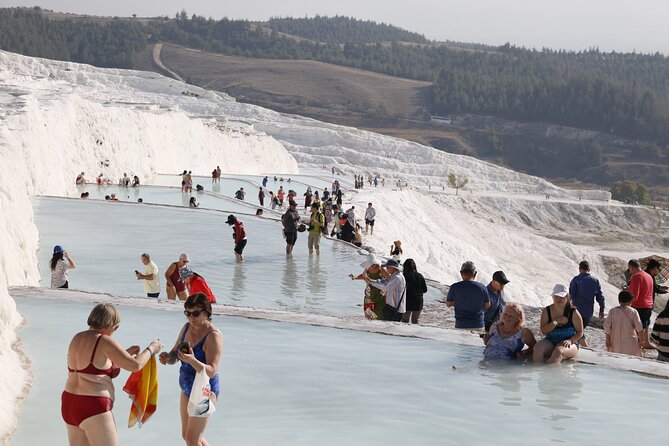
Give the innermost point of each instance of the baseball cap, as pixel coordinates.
(468, 267)
(500, 277)
(184, 257)
(393, 264)
(58, 249)
(231, 219)
(560, 290)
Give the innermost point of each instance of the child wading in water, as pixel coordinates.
(622, 327)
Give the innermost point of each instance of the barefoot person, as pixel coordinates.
(562, 326)
(239, 235)
(205, 346)
(60, 263)
(94, 358)
(506, 338)
(175, 286)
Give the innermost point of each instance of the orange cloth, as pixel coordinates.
(142, 388)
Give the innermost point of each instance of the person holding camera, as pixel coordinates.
(290, 220)
(150, 276)
(199, 347)
(316, 228)
(60, 263)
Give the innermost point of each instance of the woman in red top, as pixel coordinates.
(196, 283)
(94, 358)
(239, 234)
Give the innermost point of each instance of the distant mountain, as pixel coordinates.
(340, 29)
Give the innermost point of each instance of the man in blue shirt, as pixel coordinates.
(470, 299)
(584, 289)
(496, 294)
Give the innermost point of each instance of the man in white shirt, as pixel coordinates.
(370, 214)
(150, 276)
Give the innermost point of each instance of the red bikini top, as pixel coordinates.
(90, 369)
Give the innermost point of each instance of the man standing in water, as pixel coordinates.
(150, 276)
(239, 234)
(316, 226)
(290, 220)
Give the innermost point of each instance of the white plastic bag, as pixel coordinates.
(199, 403)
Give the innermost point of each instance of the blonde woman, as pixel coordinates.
(396, 250)
(94, 358)
(507, 338)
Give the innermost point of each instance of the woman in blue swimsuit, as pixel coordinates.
(562, 327)
(206, 346)
(506, 339)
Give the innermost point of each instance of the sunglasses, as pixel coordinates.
(195, 313)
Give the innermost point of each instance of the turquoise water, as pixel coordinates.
(106, 240)
(305, 385)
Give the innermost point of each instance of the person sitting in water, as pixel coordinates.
(193, 203)
(80, 179)
(135, 181)
(259, 213)
(506, 338)
(113, 197)
(562, 326)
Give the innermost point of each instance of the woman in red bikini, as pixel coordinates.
(94, 358)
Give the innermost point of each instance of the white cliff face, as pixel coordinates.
(58, 119)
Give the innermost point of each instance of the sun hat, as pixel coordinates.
(58, 249)
(371, 260)
(184, 273)
(560, 290)
(393, 264)
(184, 257)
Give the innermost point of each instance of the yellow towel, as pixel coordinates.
(142, 388)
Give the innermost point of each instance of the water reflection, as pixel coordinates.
(238, 282)
(316, 282)
(559, 387)
(289, 282)
(507, 377)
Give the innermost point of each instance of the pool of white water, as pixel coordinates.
(106, 239)
(167, 195)
(297, 384)
(227, 186)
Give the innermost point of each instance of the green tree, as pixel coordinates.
(457, 182)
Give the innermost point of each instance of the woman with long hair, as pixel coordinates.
(60, 263)
(199, 347)
(416, 287)
(94, 358)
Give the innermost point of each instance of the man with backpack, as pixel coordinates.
(239, 234)
(316, 228)
(290, 220)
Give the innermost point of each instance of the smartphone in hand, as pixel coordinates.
(184, 347)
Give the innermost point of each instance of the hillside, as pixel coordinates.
(520, 108)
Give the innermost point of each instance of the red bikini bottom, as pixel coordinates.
(77, 408)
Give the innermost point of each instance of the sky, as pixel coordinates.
(570, 24)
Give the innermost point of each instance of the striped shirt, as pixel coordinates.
(661, 335)
(395, 288)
